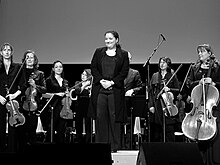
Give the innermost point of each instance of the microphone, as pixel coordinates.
(163, 37)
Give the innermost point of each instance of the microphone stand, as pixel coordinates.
(147, 62)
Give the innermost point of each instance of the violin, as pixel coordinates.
(30, 103)
(200, 124)
(66, 112)
(16, 118)
(168, 97)
(170, 107)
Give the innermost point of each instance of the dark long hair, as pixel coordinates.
(52, 73)
(168, 61)
(116, 35)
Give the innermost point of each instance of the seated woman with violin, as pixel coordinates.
(163, 89)
(205, 73)
(83, 122)
(33, 88)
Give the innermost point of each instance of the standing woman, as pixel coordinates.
(32, 90)
(206, 62)
(162, 123)
(109, 66)
(9, 80)
(57, 86)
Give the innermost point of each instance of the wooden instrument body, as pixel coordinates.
(16, 118)
(200, 124)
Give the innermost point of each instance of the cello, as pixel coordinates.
(199, 124)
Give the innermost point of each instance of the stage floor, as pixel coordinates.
(125, 157)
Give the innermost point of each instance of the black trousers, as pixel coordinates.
(107, 130)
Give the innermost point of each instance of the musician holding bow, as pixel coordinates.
(33, 87)
(9, 93)
(206, 70)
(83, 122)
(162, 121)
(57, 87)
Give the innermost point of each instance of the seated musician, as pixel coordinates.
(133, 86)
(83, 122)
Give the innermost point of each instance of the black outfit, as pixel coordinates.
(132, 81)
(83, 122)
(159, 120)
(31, 103)
(209, 148)
(108, 105)
(14, 133)
(55, 107)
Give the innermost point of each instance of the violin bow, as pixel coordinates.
(169, 80)
(80, 82)
(17, 75)
(186, 77)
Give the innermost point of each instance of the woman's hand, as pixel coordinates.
(166, 89)
(106, 83)
(60, 94)
(2, 100)
(206, 80)
(32, 82)
(152, 109)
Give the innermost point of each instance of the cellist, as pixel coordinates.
(159, 120)
(210, 149)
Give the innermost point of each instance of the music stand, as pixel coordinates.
(138, 103)
(51, 102)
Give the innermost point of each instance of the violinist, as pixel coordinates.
(32, 90)
(83, 122)
(9, 90)
(162, 123)
(207, 63)
(56, 85)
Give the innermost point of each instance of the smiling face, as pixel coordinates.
(110, 41)
(58, 68)
(30, 59)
